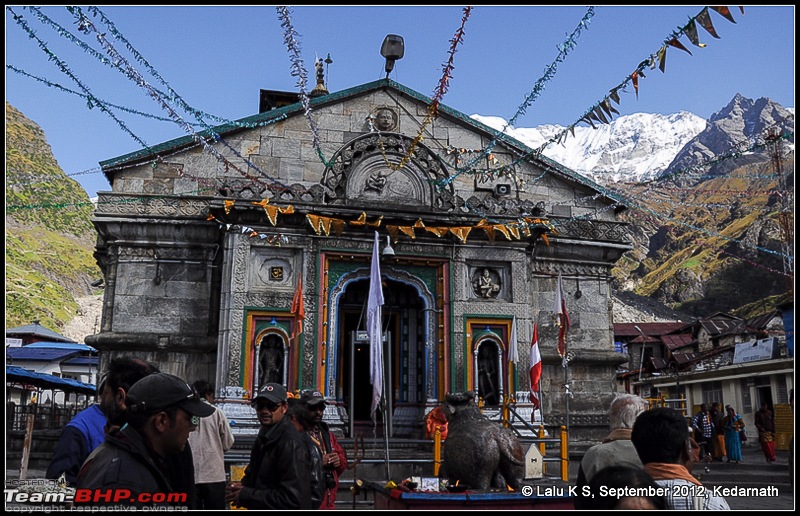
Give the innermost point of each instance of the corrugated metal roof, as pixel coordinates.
(761, 322)
(40, 354)
(654, 328)
(61, 345)
(81, 361)
(677, 341)
(720, 326)
(36, 330)
(16, 374)
(646, 338)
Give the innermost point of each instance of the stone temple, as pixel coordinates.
(241, 254)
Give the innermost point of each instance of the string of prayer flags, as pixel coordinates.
(272, 211)
(362, 221)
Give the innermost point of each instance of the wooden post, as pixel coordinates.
(542, 448)
(26, 446)
(437, 451)
(564, 455)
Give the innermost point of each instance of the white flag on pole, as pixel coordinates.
(374, 330)
(513, 355)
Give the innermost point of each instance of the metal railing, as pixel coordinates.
(678, 403)
(509, 416)
(46, 417)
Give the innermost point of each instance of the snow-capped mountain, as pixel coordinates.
(642, 146)
(631, 148)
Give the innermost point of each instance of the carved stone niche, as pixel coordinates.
(272, 269)
(488, 282)
(373, 181)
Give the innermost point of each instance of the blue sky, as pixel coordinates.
(218, 58)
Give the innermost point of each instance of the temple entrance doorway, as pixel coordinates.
(404, 351)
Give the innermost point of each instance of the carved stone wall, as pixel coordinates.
(179, 285)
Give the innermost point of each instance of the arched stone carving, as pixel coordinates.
(401, 276)
(361, 173)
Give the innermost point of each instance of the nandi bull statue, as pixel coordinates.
(479, 453)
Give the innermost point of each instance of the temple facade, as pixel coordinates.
(242, 253)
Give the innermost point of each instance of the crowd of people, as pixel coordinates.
(152, 434)
(649, 454)
(154, 440)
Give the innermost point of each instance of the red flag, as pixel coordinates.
(535, 367)
(562, 317)
(298, 309)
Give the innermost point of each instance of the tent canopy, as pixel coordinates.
(19, 375)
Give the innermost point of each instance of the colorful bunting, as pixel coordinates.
(461, 233)
(724, 11)
(704, 19)
(691, 33)
(677, 44)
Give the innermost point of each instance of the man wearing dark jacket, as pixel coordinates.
(134, 460)
(334, 460)
(279, 473)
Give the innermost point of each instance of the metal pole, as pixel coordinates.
(385, 402)
(567, 392)
(386, 430)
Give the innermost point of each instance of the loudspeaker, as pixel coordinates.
(502, 189)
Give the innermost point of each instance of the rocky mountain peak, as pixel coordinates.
(736, 126)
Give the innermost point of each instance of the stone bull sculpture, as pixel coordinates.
(479, 453)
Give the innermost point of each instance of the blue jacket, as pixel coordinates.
(78, 439)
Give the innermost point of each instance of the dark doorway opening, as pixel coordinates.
(488, 377)
(399, 299)
(270, 360)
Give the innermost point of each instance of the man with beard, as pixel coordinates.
(87, 429)
(334, 460)
(279, 473)
(121, 374)
(162, 410)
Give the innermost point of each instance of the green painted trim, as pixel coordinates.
(497, 317)
(245, 313)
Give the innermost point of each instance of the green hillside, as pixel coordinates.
(49, 236)
(716, 245)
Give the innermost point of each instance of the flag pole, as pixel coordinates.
(567, 393)
(385, 402)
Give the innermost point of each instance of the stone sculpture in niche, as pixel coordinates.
(386, 119)
(485, 286)
(376, 181)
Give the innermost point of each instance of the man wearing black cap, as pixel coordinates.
(161, 412)
(279, 473)
(88, 428)
(334, 460)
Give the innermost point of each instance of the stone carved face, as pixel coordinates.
(385, 119)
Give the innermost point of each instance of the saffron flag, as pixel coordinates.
(298, 309)
(535, 368)
(562, 317)
(374, 303)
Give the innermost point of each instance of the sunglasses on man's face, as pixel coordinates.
(272, 407)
